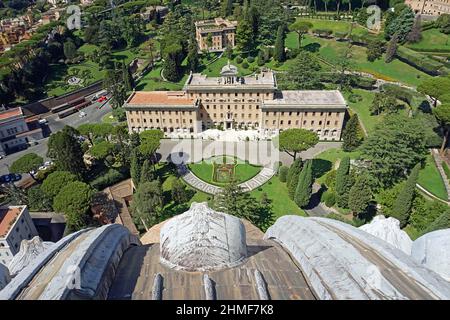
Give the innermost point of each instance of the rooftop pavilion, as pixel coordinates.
(218, 24)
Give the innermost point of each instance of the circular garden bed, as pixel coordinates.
(220, 170)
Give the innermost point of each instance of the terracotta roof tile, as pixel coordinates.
(160, 98)
(7, 218)
(10, 113)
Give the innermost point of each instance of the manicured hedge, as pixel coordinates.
(322, 32)
(436, 50)
(112, 176)
(355, 81)
(363, 39)
(446, 169)
(339, 34)
(419, 61)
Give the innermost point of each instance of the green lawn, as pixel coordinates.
(275, 190)
(334, 154)
(326, 161)
(331, 51)
(56, 83)
(278, 193)
(108, 118)
(362, 109)
(336, 26)
(430, 179)
(243, 172)
(153, 81)
(432, 40)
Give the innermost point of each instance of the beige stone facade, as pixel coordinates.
(233, 102)
(222, 34)
(429, 7)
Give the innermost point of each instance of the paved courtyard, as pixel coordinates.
(262, 177)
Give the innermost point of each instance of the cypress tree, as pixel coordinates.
(228, 8)
(360, 195)
(127, 77)
(352, 137)
(304, 186)
(292, 185)
(279, 52)
(342, 182)
(401, 209)
(135, 166)
(441, 222)
(415, 35)
(192, 58)
(391, 49)
(178, 192)
(297, 163)
(146, 172)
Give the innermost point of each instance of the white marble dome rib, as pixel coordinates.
(432, 250)
(389, 231)
(202, 239)
(29, 250)
(229, 69)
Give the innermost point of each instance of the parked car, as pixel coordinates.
(5, 178)
(82, 114)
(12, 177)
(48, 163)
(102, 99)
(43, 121)
(15, 176)
(42, 168)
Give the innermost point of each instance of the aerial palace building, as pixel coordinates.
(222, 33)
(234, 102)
(429, 7)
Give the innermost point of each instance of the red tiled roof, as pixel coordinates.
(10, 113)
(7, 217)
(160, 98)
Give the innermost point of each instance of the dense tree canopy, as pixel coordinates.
(293, 141)
(394, 148)
(352, 135)
(300, 27)
(38, 200)
(74, 201)
(26, 163)
(65, 149)
(435, 87)
(55, 181)
(303, 73)
(148, 202)
(442, 114)
(404, 202)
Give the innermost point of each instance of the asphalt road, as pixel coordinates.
(93, 115)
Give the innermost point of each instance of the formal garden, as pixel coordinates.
(221, 170)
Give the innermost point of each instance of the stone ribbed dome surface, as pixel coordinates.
(229, 69)
(203, 239)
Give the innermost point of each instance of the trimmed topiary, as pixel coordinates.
(282, 174)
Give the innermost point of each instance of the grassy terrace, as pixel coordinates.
(430, 179)
(278, 193)
(432, 40)
(243, 172)
(362, 109)
(331, 50)
(336, 26)
(153, 81)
